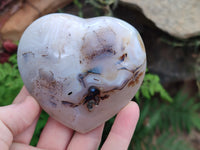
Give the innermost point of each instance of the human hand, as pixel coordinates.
(18, 121)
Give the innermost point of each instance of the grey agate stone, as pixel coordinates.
(81, 71)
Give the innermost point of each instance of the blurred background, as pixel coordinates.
(169, 97)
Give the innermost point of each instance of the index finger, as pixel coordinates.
(21, 96)
(123, 128)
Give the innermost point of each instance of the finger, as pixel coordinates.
(87, 141)
(21, 96)
(16, 118)
(26, 136)
(123, 128)
(54, 135)
(20, 146)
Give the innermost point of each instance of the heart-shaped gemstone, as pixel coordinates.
(81, 71)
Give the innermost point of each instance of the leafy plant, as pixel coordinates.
(192, 43)
(10, 81)
(151, 86)
(80, 6)
(167, 141)
(182, 114)
(103, 5)
(158, 117)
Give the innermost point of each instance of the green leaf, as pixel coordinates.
(195, 118)
(168, 141)
(151, 86)
(10, 81)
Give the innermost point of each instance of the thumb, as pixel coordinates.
(15, 118)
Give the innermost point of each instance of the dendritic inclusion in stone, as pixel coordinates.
(81, 71)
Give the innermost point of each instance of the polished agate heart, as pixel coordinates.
(81, 71)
